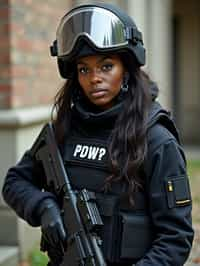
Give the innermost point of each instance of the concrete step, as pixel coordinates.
(9, 255)
(8, 228)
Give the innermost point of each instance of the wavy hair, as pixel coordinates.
(128, 145)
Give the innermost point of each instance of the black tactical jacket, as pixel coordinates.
(85, 155)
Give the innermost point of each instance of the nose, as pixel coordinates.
(95, 76)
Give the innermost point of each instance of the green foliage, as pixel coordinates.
(193, 167)
(38, 258)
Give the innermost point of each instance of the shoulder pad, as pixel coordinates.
(158, 115)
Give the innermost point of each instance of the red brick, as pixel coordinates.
(30, 69)
(4, 29)
(4, 87)
(19, 86)
(41, 45)
(24, 44)
(4, 12)
(5, 100)
(5, 43)
(4, 3)
(21, 71)
(4, 59)
(4, 73)
(17, 28)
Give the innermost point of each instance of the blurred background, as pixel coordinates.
(29, 80)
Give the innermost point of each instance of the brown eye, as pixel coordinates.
(107, 67)
(83, 70)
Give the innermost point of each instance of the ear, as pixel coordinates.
(126, 77)
(125, 85)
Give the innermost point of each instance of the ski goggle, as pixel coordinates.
(100, 26)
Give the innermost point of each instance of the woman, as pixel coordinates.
(115, 140)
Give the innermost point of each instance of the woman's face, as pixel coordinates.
(100, 77)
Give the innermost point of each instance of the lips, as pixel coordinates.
(97, 93)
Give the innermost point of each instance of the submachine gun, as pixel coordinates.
(80, 213)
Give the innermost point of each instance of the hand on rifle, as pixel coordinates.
(52, 225)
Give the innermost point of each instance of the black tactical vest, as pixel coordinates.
(127, 233)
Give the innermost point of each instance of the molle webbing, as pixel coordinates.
(111, 204)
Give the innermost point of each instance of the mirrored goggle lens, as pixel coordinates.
(101, 27)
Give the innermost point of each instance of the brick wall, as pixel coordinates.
(4, 54)
(28, 74)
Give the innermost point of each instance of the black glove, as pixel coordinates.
(55, 254)
(51, 223)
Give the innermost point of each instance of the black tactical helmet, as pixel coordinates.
(93, 28)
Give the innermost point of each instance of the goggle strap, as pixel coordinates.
(133, 34)
(54, 48)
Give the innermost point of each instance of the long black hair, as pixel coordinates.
(128, 144)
